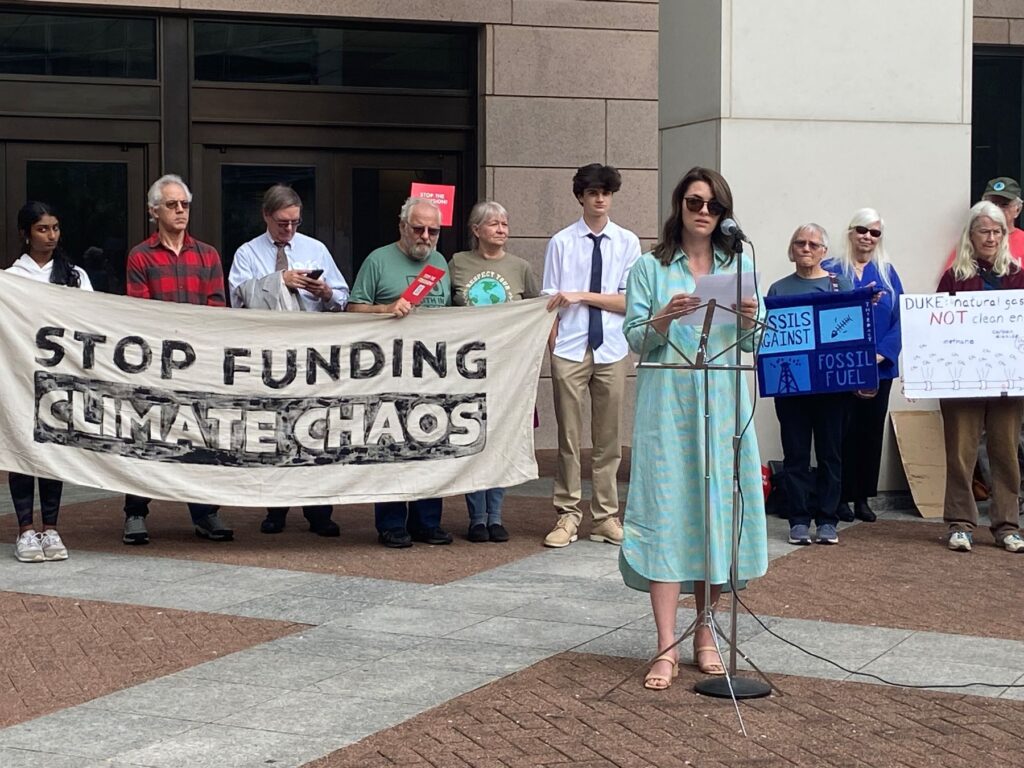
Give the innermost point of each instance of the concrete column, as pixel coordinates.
(814, 109)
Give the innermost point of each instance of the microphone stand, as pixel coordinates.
(729, 685)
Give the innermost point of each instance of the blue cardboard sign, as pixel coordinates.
(816, 343)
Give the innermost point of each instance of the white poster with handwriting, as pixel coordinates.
(963, 345)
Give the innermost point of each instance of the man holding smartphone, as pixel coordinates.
(307, 270)
(284, 269)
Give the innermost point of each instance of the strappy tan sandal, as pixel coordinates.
(715, 667)
(656, 682)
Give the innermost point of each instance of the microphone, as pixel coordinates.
(732, 229)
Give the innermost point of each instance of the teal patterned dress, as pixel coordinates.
(664, 521)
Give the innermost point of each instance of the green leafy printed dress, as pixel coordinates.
(664, 521)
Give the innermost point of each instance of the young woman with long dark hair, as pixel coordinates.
(42, 260)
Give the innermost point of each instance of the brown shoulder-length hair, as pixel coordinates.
(672, 233)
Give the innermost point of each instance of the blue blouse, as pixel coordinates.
(886, 312)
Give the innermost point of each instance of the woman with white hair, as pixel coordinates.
(865, 261)
(983, 263)
(482, 276)
(813, 418)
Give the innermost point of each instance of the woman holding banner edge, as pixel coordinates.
(482, 276)
(664, 527)
(865, 261)
(983, 262)
(43, 261)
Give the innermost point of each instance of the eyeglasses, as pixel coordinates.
(875, 233)
(1001, 202)
(809, 244)
(989, 232)
(295, 223)
(432, 231)
(696, 205)
(173, 205)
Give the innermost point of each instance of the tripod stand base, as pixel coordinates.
(742, 688)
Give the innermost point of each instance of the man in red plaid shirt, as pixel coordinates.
(173, 266)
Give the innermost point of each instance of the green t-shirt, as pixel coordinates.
(476, 280)
(387, 272)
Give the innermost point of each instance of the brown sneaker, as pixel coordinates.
(608, 530)
(563, 534)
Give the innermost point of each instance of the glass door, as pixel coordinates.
(234, 180)
(371, 187)
(350, 200)
(98, 192)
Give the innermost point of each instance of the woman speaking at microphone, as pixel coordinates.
(663, 551)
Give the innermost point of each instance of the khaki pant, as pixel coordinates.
(963, 421)
(606, 383)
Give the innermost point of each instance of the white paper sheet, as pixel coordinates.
(721, 288)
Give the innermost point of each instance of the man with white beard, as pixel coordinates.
(389, 270)
(378, 288)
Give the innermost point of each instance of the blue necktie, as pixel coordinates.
(595, 335)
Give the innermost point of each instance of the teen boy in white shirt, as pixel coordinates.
(585, 270)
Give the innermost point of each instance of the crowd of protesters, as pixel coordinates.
(608, 299)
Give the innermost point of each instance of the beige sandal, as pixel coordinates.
(656, 682)
(714, 667)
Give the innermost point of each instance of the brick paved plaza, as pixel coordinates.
(293, 650)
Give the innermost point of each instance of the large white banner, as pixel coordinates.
(963, 345)
(259, 408)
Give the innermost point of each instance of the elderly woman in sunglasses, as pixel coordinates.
(816, 418)
(983, 263)
(865, 261)
(664, 527)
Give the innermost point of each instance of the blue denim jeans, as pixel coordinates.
(485, 506)
(421, 515)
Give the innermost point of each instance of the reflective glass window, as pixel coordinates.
(91, 201)
(77, 46)
(241, 196)
(358, 57)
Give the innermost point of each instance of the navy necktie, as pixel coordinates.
(595, 335)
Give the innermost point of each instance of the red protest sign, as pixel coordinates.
(441, 195)
(423, 284)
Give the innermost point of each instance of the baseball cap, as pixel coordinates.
(1003, 186)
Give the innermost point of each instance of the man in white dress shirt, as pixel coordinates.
(299, 273)
(585, 270)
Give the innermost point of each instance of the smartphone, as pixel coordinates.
(314, 274)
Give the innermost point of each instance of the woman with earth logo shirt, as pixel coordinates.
(488, 275)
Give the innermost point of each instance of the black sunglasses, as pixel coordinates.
(875, 233)
(696, 204)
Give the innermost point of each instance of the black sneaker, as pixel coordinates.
(478, 533)
(845, 512)
(135, 530)
(325, 527)
(432, 536)
(211, 527)
(395, 538)
(497, 532)
(272, 523)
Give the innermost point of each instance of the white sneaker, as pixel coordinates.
(28, 549)
(960, 541)
(53, 547)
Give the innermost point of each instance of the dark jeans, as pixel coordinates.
(417, 516)
(138, 506)
(862, 443)
(802, 419)
(315, 513)
(23, 489)
(485, 506)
